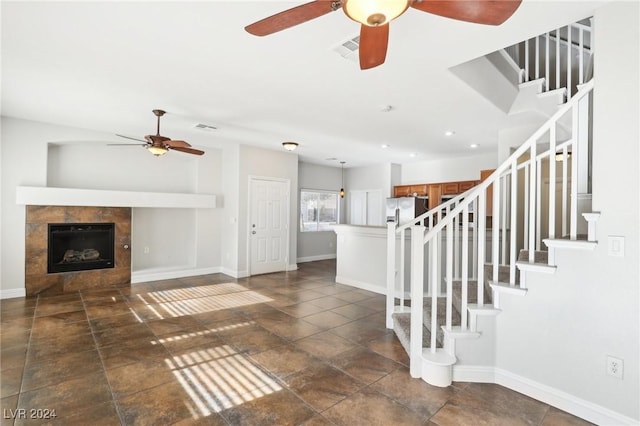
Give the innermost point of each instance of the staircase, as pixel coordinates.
(535, 203)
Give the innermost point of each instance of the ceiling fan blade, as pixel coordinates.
(179, 144)
(127, 144)
(488, 12)
(373, 45)
(291, 17)
(129, 137)
(187, 150)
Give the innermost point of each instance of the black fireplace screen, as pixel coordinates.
(80, 246)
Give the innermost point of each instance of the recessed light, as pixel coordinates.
(449, 133)
(474, 145)
(413, 154)
(384, 146)
(386, 108)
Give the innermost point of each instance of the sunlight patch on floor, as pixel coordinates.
(202, 333)
(219, 378)
(161, 296)
(199, 304)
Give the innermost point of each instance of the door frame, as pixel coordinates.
(250, 180)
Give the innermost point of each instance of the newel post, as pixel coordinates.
(391, 271)
(417, 294)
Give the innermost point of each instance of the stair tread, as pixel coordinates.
(539, 256)
(402, 328)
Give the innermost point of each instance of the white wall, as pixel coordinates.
(230, 204)
(38, 154)
(317, 245)
(24, 162)
(560, 334)
(449, 170)
(91, 165)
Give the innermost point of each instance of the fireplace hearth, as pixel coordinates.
(80, 247)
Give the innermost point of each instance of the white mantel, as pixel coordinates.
(48, 196)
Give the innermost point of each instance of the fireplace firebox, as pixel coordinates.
(80, 246)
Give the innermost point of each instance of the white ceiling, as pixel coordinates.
(106, 65)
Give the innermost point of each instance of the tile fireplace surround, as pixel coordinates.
(38, 281)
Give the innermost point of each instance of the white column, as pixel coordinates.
(391, 271)
(417, 284)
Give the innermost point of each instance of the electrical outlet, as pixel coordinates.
(615, 367)
(146, 250)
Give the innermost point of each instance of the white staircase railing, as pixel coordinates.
(562, 57)
(525, 208)
(399, 285)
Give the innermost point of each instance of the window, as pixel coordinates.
(318, 210)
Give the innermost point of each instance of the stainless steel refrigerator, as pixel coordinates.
(404, 209)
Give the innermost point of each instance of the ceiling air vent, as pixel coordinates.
(205, 127)
(348, 49)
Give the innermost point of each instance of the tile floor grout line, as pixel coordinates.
(104, 369)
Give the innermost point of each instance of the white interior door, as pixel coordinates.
(269, 225)
(366, 208)
(358, 207)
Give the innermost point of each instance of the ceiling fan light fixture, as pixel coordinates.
(157, 150)
(374, 13)
(289, 146)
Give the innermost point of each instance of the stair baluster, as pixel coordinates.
(445, 242)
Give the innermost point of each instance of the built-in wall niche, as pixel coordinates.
(38, 279)
(96, 165)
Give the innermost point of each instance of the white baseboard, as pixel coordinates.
(314, 258)
(151, 275)
(13, 292)
(292, 267)
(554, 397)
(361, 285)
(234, 273)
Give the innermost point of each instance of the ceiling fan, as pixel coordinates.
(375, 15)
(159, 145)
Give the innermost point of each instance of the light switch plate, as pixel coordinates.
(616, 246)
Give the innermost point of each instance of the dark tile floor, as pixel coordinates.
(284, 349)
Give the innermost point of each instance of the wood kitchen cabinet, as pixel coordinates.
(450, 188)
(402, 191)
(419, 190)
(435, 192)
(466, 185)
(483, 175)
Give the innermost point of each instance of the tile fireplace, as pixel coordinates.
(70, 248)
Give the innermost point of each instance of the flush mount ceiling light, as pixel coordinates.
(413, 155)
(474, 146)
(449, 133)
(289, 146)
